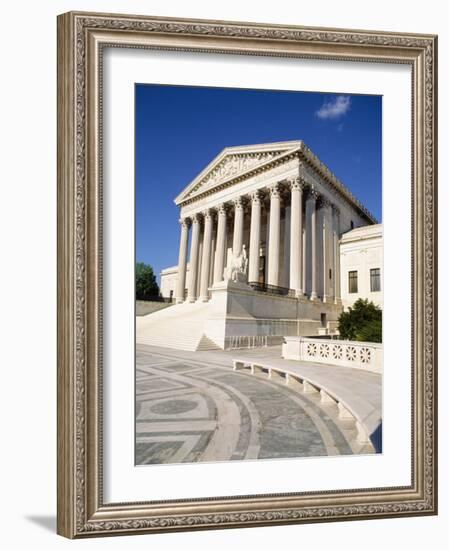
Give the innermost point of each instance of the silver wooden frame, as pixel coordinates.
(81, 38)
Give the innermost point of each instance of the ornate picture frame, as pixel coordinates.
(82, 38)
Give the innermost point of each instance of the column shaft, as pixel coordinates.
(212, 256)
(267, 244)
(313, 258)
(274, 238)
(325, 252)
(304, 258)
(200, 263)
(330, 232)
(193, 272)
(285, 240)
(336, 235)
(182, 261)
(205, 263)
(221, 244)
(238, 227)
(254, 239)
(296, 259)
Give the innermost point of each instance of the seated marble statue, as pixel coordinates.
(237, 269)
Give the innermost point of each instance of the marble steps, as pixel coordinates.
(206, 344)
(179, 327)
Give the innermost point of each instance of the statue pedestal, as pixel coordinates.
(240, 277)
(240, 314)
(240, 283)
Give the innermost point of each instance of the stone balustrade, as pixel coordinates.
(344, 353)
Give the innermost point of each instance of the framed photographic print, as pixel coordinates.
(246, 274)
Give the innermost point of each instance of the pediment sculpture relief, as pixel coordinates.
(232, 165)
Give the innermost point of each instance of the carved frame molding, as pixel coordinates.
(81, 37)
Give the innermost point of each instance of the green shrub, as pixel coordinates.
(362, 322)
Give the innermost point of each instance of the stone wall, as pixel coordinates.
(144, 307)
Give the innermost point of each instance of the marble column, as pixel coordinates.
(336, 238)
(267, 241)
(221, 245)
(182, 261)
(304, 259)
(193, 264)
(331, 254)
(285, 239)
(237, 241)
(325, 205)
(275, 234)
(296, 237)
(212, 256)
(200, 263)
(205, 263)
(312, 198)
(254, 239)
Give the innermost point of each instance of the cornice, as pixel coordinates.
(304, 155)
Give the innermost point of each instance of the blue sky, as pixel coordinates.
(180, 129)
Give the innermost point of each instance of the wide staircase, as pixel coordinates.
(177, 327)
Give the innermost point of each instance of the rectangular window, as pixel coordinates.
(375, 279)
(352, 282)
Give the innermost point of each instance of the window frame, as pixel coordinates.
(375, 277)
(350, 280)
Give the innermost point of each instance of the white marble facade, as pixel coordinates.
(361, 265)
(280, 203)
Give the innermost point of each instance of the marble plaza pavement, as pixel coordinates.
(192, 407)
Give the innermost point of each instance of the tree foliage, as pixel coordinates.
(146, 284)
(362, 322)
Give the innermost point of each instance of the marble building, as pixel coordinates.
(260, 237)
(361, 265)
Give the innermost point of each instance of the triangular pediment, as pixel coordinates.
(233, 162)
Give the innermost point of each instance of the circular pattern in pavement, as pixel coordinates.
(195, 411)
(174, 406)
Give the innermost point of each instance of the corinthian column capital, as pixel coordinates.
(238, 203)
(256, 197)
(222, 210)
(184, 222)
(297, 183)
(324, 202)
(275, 191)
(313, 194)
(207, 213)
